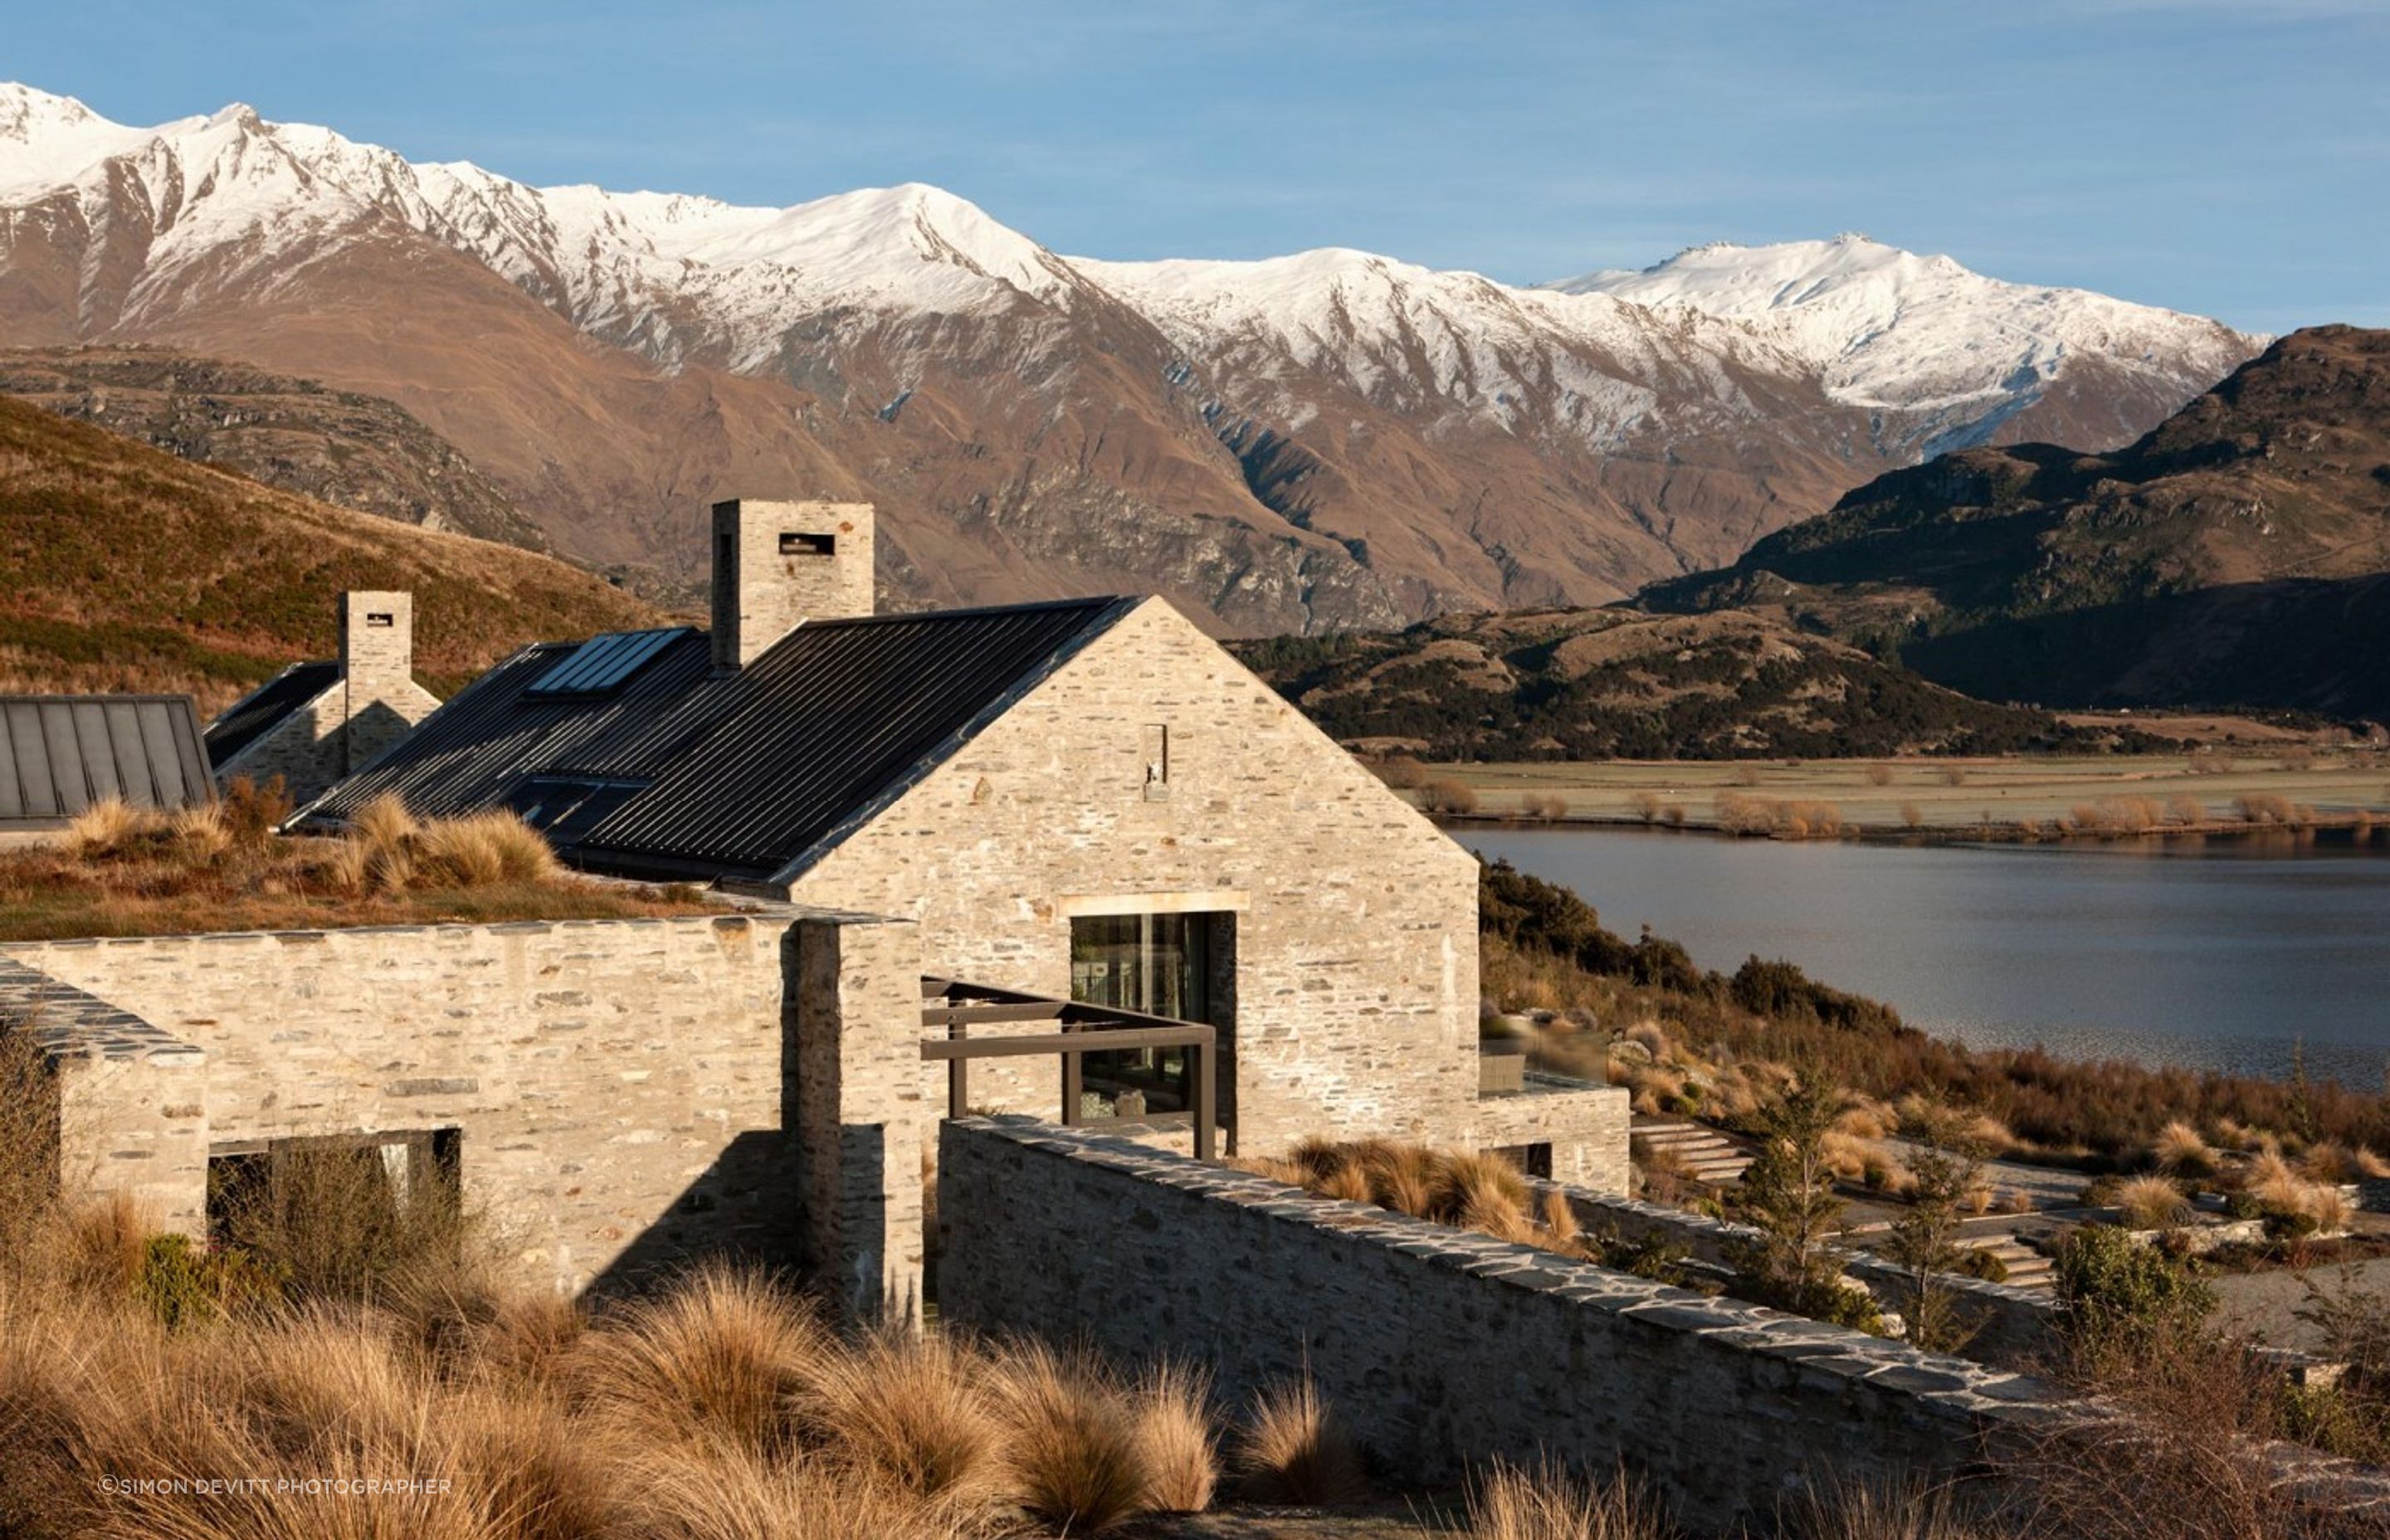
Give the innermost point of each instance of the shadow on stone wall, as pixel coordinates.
(744, 1209)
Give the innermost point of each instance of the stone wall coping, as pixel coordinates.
(742, 918)
(68, 1022)
(1954, 1388)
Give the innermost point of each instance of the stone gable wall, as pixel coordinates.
(338, 732)
(1356, 920)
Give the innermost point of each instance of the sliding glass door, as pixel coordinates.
(1159, 965)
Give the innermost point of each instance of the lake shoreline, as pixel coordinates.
(2363, 829)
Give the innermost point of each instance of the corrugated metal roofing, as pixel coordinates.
(60, 753)
(261, 710)
(688, 771)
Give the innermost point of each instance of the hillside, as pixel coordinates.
(340, 447)
(131, 569)
(2236, 554)
(1328, 440)
(1603, 684)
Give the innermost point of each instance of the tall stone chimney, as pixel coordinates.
(378, 641)
(777, 564)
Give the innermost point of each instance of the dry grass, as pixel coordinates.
(1295, 1451)
(722, 1408)
(120, 870)
(1548, 1503)
(2151, 1203)
(1074, 1451)
(2181, 1149)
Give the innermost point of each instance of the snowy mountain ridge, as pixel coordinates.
(673, 275)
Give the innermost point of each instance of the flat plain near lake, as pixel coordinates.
(2208, 789)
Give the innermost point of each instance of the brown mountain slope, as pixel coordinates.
(131, 569)
(1603, 684)
(2238, 554)
(340, 447)
(1328, 440)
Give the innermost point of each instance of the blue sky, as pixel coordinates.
(2231, 157)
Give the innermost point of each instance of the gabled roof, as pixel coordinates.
(60, 753)
(681, 770)
(264, 708)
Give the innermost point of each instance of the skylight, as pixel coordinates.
(602, 663)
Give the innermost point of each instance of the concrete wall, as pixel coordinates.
(1442, 1349)
(620, 1084)
(1355, 918)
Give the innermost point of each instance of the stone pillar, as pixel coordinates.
(857, 1107)
(135, 1123)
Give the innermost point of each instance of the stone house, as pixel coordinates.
(315, 722)
(1085, 799)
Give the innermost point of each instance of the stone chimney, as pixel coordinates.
(378, 641)
(778, 564)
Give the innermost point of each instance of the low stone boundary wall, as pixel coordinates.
(1441, 1348)
(2014, 1326)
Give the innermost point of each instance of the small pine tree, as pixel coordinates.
(1924, 1240)
(1788, 1194)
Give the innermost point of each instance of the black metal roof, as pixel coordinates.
(688, 771)
(60, 753)
(260, 711)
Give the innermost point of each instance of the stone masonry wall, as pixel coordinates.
(130, 1105)
(619, 1083)
(1441, 1349)
(1355, 918)
(341, 730)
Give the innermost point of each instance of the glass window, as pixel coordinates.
(1156, 964)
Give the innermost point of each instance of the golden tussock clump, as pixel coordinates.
(1296, 1451)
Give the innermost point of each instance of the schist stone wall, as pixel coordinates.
(373, 704)
(1442, 1349)
(1151, 772)
(618, 1084)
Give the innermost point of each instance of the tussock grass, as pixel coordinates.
(1177, 1445)
(1546, 1502)
(1295, 1451)
(908, 1412)
(120, 870)
(1074, 1451)
(724, 1358)
(2152, 1203)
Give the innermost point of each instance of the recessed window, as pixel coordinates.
(1155, 743)
(1158, 965)
(379, 618)
(263, 1193)
(808, 545)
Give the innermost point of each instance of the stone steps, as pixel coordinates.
(2028, 1267)
(1703, 1152)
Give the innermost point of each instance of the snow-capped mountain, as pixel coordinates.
(1326, 438)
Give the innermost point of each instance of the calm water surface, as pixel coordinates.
(2221, 955)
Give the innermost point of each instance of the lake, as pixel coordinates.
(2217, 954)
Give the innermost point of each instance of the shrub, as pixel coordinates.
(1448, 796)
(2118, 1300)
(1879, 775)
(1646, 805)
(2265, 808)
(1547, 805)
(1295, 1451)
(1401, 772)
(182, 1283)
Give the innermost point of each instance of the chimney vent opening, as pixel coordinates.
(793, 543)
(378, 617)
